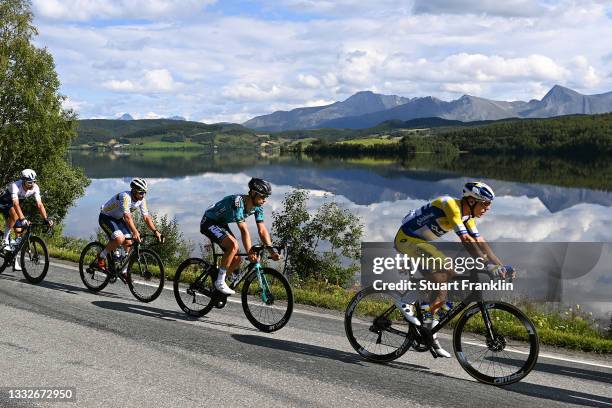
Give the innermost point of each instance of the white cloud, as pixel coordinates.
(156, 80)
(83, 10)
(216, 66)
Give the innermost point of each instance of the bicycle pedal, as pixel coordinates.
(220, 301)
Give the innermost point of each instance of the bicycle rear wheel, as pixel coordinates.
(93, 278)
(193, 287)
(145, 275)
(267, 302)
(34, 260)
(503, 359)
(375, 327)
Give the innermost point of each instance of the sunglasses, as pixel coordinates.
(141, 192)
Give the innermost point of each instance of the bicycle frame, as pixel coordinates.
(474, 296)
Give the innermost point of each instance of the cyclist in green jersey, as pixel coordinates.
(235, 209)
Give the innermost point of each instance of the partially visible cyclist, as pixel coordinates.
(435, 219)
(10, 206)
(235, 209)
(117, 222)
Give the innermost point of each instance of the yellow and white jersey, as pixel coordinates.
(121, 204)
(438, 217)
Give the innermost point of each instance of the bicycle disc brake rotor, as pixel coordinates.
(496, 344)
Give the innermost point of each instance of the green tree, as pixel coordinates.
(35, 131)
(322, 247)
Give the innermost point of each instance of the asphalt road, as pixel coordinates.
(118, 352)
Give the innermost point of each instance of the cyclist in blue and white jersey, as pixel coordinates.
(117, 222)
(235, 209)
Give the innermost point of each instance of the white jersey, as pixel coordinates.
(19, 193)
(122, 203)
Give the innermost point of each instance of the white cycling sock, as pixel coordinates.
(7, 235)
(221, 275)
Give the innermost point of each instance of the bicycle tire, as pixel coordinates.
(201, 297)
(500, 313)
(393, 347)
(88, 275)
(280, 293)
(30, 253)
(140, 279)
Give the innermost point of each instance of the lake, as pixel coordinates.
(529, 206)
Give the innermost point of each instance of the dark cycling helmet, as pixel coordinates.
(478, 190)
(28, 175)
(138, 184)
(260, 186)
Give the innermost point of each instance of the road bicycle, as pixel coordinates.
(31, 252)
(495, 342)
(267, 298)
(144, 275)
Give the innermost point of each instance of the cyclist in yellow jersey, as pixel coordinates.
(435, 219)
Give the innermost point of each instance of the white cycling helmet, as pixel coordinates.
(138, 184)
(28, 175)
(478, 190)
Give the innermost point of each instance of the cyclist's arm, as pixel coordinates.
(264, 234)
(41, 209)
(484, 246)
(472, 245)
(246, 237)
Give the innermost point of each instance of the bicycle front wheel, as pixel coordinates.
(193, 287)
(93, 278)
(267, 299)
(503, 358)
(145, 275)
(35, 260)
(375, 327)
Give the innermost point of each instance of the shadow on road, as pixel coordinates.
(141, 309)
(567, 371)
(559, 394)
(310, 350)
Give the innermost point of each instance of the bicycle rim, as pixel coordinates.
(375, 327)
(267, 299)
(145, 275)
(193, 287)
(503, 359)
(93, 278)
(34, 260)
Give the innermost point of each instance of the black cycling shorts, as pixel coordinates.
(214, 231)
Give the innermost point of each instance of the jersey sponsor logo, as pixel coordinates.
(217, 232)
(238, 201)
(423, 219)
(437, 230)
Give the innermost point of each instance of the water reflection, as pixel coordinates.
(381, 207)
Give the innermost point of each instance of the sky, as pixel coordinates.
(228, 61)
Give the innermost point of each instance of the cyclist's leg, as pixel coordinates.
(221, 235)
(434, 259)
(434, 269)
(7, 224)
(116, 232)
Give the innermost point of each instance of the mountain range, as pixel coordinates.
(366, 109)
(127, 116)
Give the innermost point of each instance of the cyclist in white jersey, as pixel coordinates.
(10, 206)
(117, 222)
